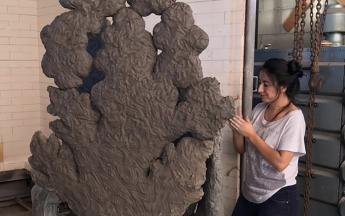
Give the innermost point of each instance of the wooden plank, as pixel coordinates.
(1, 152)
(342, 2)
(289, 22)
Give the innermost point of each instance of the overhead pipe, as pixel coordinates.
(248, 65)
(248, 62)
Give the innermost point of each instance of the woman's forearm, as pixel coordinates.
(278, 159)
(238, 142)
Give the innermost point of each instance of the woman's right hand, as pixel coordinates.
(242, 126)
(238, 140)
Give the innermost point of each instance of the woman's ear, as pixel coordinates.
(283, 89)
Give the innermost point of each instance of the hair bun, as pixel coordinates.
(295, 68)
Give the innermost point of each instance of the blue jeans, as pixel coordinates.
(282, 203)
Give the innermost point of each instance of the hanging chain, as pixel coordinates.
(302, 32)
(312, 30)
(296, 29)
(322, 20)
(310, 121)
(299, 31)
(316, 33)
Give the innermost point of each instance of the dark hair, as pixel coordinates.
(284, 73)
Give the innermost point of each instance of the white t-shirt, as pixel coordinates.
(262, 180)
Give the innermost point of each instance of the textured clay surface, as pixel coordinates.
(135, 127)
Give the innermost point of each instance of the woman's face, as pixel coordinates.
(268, 90)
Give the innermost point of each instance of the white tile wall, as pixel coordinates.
(19, 78)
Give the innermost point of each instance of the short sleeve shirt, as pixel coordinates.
(261, 179)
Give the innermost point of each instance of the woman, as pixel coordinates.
(274, 142)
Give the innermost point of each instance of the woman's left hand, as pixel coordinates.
(242, 126)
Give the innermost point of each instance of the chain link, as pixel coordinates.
(300, 10)
(311, 29)
(316, 34)
(296, 29)
(302, 32)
